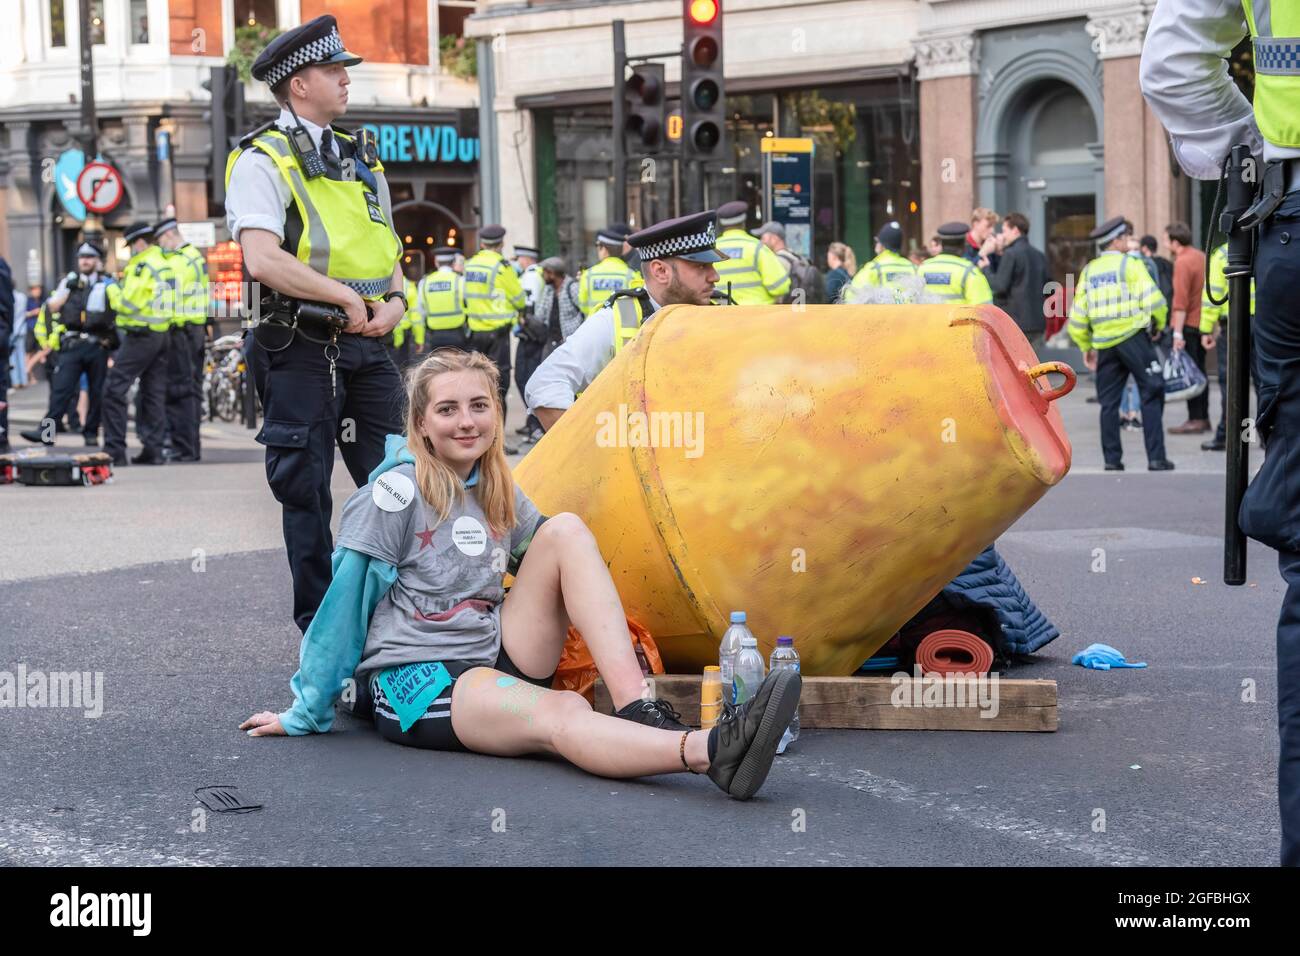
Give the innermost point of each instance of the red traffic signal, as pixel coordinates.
(703, 11)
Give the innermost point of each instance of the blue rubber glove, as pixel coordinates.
(1101, 657)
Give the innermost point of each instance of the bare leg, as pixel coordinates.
(564, 579)
(493, 713)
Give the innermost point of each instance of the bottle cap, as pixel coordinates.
(785, 642)
(749, 642)
(737, 617)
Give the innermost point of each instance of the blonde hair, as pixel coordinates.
(842, 252)
(438, 483)
(984, 215)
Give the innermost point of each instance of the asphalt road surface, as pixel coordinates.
(173, 583)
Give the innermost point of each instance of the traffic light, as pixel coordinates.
(646, 108)
(225, 116)
(704, 100)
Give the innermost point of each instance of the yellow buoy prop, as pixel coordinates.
(826, 469)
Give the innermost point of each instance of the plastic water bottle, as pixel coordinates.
(729, 650)
(785, 657)
(749, 669)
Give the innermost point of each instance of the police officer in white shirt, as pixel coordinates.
(309, 205)
(1185, 80)
(677, 258)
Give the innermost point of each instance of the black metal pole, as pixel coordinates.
(89, 130)
(1237, 427)
(620, 121)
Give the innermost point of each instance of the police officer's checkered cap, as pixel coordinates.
(680, 245)
(315, 51)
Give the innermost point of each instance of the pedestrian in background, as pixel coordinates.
(1019, 279)
(841, 264)
(18, 342)
(1164, 269)
(1185, 319)
(6, 329)
(36, 353)
(807, 286)
(981, 239)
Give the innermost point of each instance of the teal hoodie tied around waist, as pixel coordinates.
(332, 646)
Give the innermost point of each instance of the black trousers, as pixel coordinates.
(69, 408)
(76, 357)
(1198, 408)
(496, 346)
(185, 388)
(304, 417)
(143, 355)
(527, 358)
(1271, 510)
(1134, 356)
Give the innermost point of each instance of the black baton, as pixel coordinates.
(1239, 430)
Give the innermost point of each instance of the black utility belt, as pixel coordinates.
(317, 317)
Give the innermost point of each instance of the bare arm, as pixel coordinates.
(548, 416)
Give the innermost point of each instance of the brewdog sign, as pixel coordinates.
(424, 143)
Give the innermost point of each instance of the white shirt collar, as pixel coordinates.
(285, 121)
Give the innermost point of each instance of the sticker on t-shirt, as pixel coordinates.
(469, 536)
(393, 491)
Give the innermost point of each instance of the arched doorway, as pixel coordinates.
(1054, 157)
(423, 226)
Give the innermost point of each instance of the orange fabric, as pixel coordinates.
(577, 671)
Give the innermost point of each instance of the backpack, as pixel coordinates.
(803, 275)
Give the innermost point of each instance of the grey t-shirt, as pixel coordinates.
(446, 602)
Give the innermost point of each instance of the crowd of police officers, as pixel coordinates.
(150, 326)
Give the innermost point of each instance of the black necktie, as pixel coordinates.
(327, 149)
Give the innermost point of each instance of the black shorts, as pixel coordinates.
(432, 730)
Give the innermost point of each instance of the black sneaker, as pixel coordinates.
(148, 457)
(742, 745)
(1163, 465)
(35, 435)
(653, 713)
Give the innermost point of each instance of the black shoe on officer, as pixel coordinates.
(1163, 465)
(1214, 444)
(36, 435)
(1114, 466)
(149, 457)
(92, 441)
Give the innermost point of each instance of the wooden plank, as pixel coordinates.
(885, 703)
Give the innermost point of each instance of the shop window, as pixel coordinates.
(139, 21)
(97, 22)
(256, 13)
(58, 23)
(452, 15)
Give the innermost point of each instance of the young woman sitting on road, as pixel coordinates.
(418, 611)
